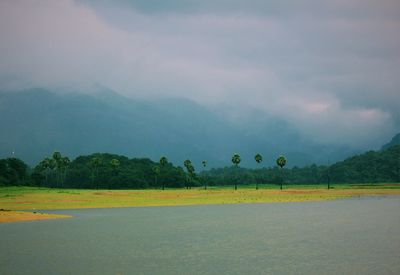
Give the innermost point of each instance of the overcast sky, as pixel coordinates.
(330, 68)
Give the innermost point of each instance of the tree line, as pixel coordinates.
(110, 171)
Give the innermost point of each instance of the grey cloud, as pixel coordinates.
(352, 8)
(329, 67)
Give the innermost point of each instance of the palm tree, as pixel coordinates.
(65, 161)
(190, 168)
(51, 167)
(163, 162)
(236, 160)
(328, 174)
(44, 167)
(187, 164)
(281, 161)
(258, 159)
(94, 165)
(115, 163)
(57, 157)
(204, 163)
(156, 170)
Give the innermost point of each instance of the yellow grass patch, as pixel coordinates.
(16, 216)
(38, 198)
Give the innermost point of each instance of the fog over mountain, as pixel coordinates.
(37, 122)
(314, 79)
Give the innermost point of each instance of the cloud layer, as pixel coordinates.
(328, 67)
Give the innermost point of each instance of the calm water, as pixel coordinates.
(358, 236)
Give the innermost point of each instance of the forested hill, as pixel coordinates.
(373, 166)
(370, 167)
(395, 141)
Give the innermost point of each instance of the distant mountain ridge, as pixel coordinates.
(37, 122)
(395, 141)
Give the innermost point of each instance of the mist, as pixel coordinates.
(330, 70)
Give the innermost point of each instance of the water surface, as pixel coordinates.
(357, 236)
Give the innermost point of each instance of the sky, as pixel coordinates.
(329, 68)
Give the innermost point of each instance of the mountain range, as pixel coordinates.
(36, 122)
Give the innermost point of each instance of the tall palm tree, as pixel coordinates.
(94, 165)
(65, 161)
(51, 167)
(328, 174)
(46, 164)
(236, 160)
(115, 164)
(57, 157)
(190, 169)
(44, 168)
(156, 170)
(281, 161)
(163, 163)
(204, 163)
(187, 164)
(258, 159)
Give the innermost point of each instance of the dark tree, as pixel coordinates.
(156, 171)
(236, 160)
(204, 163)
(44, 168)
(281, 161)
(94, 164)
(115, 163)
(57, 157)
(163, 163)
(65, 162)
(13, 171)
(190, 169)
(258, 159)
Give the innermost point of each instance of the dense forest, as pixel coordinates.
(370, 167)
(108, 171)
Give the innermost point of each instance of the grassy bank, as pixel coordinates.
(28, 198)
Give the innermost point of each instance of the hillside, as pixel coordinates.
(395, 141)
(37, 122)
(372, 166)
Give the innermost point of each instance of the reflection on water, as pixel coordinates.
(358, 236)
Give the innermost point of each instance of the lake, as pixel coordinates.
(354, 236)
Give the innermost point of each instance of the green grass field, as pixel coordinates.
(33, 198)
